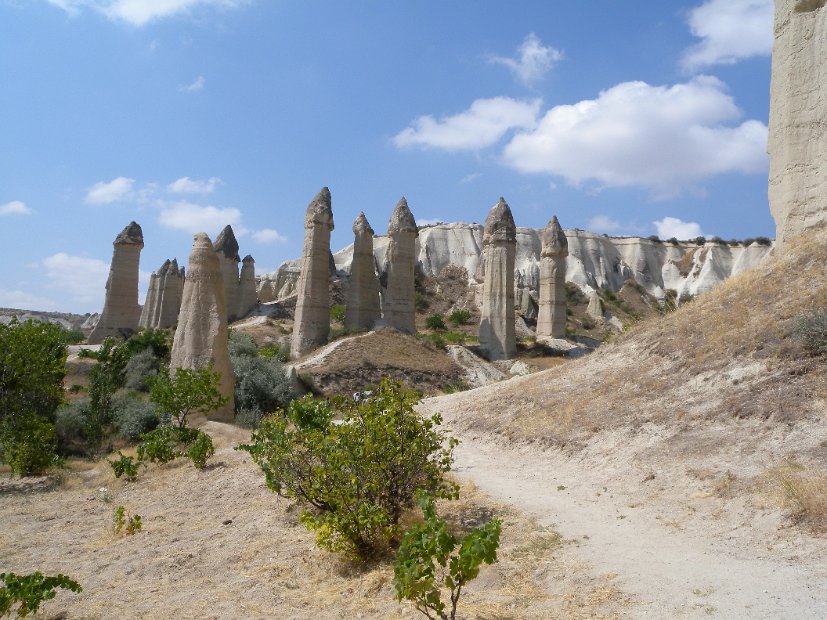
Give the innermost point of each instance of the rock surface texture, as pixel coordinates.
(497, 337)
(226, 247)
(121, 311)
(551, 315)
(398, 292)
(797, 142)
(247, 287)
(201, 335)
(163, 297)
(311, 326)
(362, 302)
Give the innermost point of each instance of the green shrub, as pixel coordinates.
(355, 477)
(435, 322)
(748, 241)
(167, 443)
(70, 424)
(763, 241)
(127, 522)
(272, 351)
(811, 331)
(437, 340)
(28, 592)
(73, 336)
(431, 560)
(673, 240)
(241, 344)
(30, 445)
(459, 317)
(158, 340)
(259, 384)
(125, 466)
(249, 418)
(188, 391)
(337, 313)
(140, 370)
(134, 416)
(455, 337)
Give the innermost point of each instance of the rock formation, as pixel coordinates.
(497, 337)
(149, 302)
(201, 335)
(121, 311)
(311, 325)
(551, 316)
(595, 308)
(398, 292)
(797, 142)
(362, 302)
(226, 247)
(247, 287)
(163, 297)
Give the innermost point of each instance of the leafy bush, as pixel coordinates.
(431, 560)
(249, 418)
(73, 336)
(272, 351)
(140, 369)
(259, 384)
(763, 241)
(672, 240)
(126, 522)
(701, 240)
(241, 344)
(355, 477)
(158, 340)
(30, 445)
(124, 466)
(188, 391)
(70, 424)
(454, 337)
(811, 331)
(654, 239)
(435, 322)
(167, 443)
(459, 317)
(337, 313)
(28, 592)
(748, 241)
(134, 416)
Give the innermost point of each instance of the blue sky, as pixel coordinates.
(186, 115)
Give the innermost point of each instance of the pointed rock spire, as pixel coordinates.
(226, 244)
(554, 239)
(402, 220)
(131, 235)
(362, 302)
(247, 287)
(497, 331)
(551, 316)
(319, 211)
(361, 226)
(499, 225)
(398, 295)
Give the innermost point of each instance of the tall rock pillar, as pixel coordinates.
(497, 336)
(362, 303)
(201, 335)
(226, 247)
(151, 293)
(551, 318)
(399, 294)
(311, 326)
(247, 287)
(170, 301)
(797, 142)
(121, 311)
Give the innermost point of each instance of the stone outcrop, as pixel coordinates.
(247, 287)
(311, 326)
(551, 316)
(797, 142)
(497, 337)
(398, 273)
(121, 311)
(362, 302)
(163, 297)
(595, 307)
(226, 247)
(201, 335)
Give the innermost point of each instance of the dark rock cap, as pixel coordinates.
(164, 269)
(131, 235)
(173, 267)
(319, 211)
(248, 259)
(181, 273)
(402, 220)
(361, 225)
(226, 243)
(554, 239)
(499, 225)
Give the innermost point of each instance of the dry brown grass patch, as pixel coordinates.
(799, 491)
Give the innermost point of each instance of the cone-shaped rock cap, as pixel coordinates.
(248, 259)
(226, 244)
(554, 239)
(402, 220)
(319, 211)
(361, 225)
(131, 235)
(200, 242)
(164, 269)
(173, 267)
(499, 225)
(182, 272)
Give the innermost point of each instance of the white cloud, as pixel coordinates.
(468, 178)
(141, 12)
(483, 124)
(533, 60)
(15, 207)
(116, 190)
(666, 139)
(603, 224)
(194, 218)
(730, 30)
(194, 86)
(670, 227)
(81, 279)
(21, 300)
(268, 235)
(186, 185)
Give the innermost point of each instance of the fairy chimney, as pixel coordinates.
(362, 303)
(497, 335)
(247, 287)
(398, 294)
(551, 317)
(226, 247)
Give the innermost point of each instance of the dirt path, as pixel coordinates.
(674, 573)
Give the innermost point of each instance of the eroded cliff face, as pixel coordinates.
(594, 261)
(797, 142)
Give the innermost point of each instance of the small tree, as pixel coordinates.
(431, 560)
(337, 313)
(28, 592)
(435, 322)
(459, 317)
(187, 391)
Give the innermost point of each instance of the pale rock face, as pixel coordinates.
(551, 317)
(226, 247)
(171, 293)
(595, 309)
(201, 335)
(151, 294)
(157, 301)
(497, 335)
(398, 293)
(362, 302)
(311, 326)
(121, 311)
(797, 142)
(247, 287)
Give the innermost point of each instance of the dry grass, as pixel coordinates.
(799, 491)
